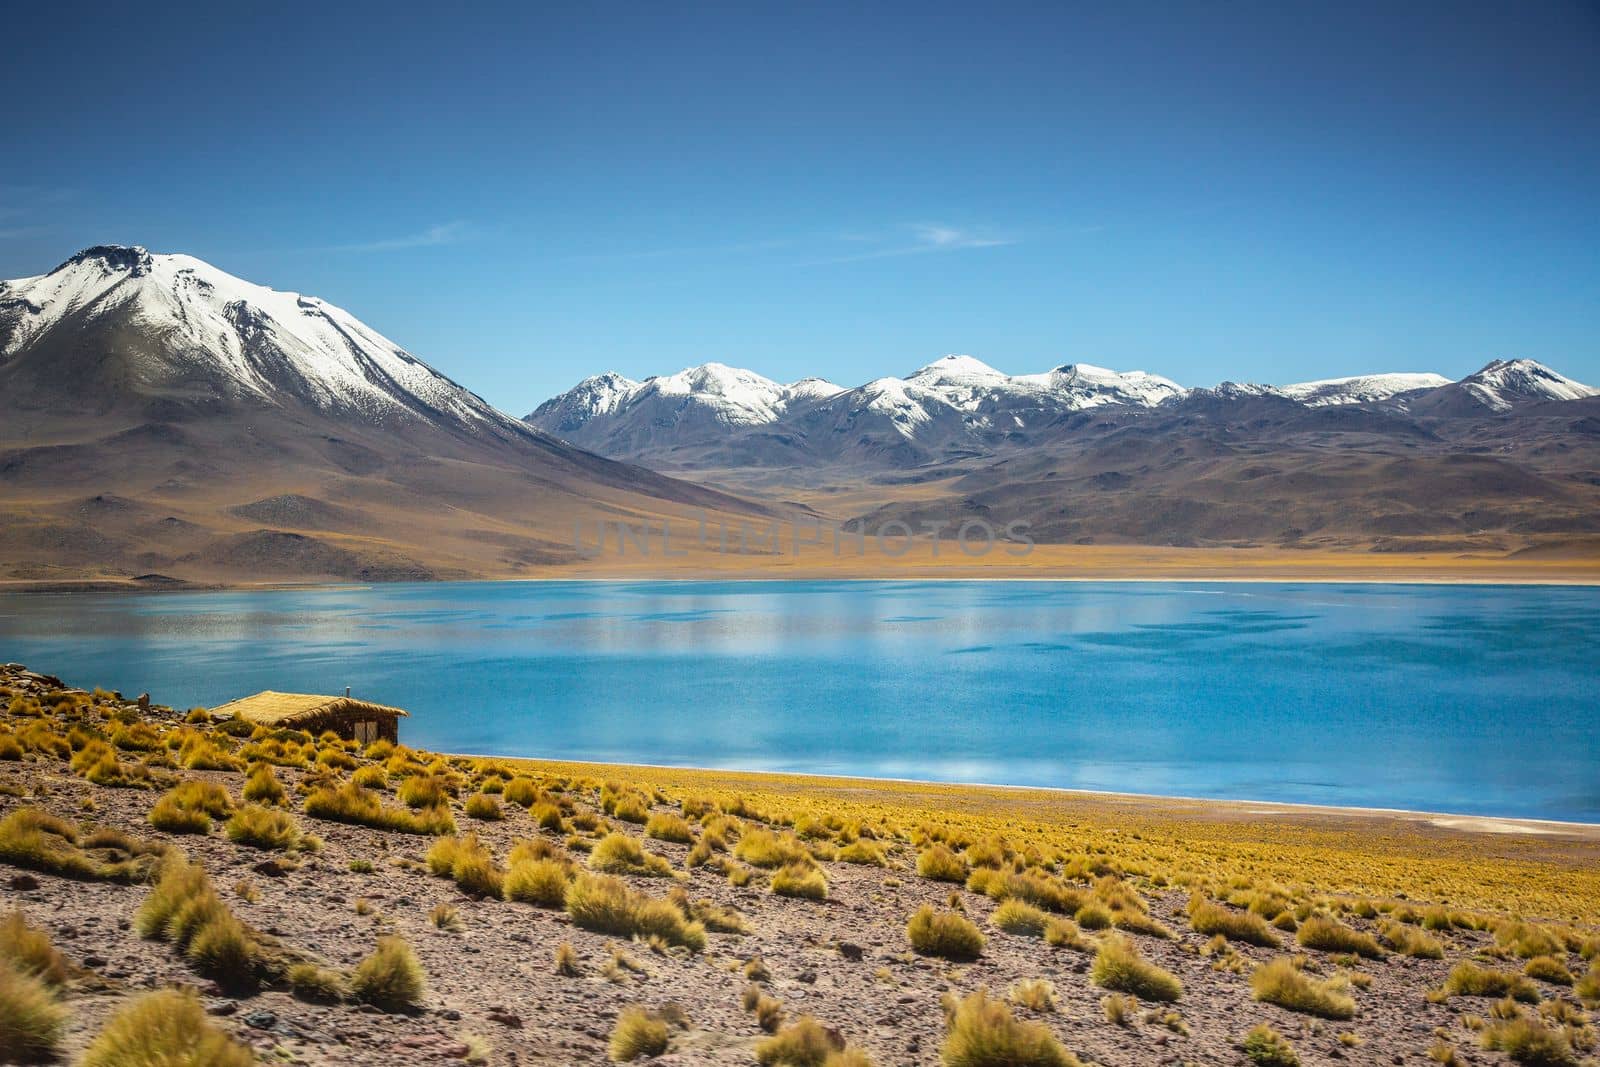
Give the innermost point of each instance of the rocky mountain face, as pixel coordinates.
(158, 414)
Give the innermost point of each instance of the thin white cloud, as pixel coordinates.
(920, 238)
(925, 238)
(445, 233)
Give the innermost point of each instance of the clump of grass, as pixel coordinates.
(1526, 940)
(767, 1010)
(606, 905)
(945, 934)
(1018, 917)
(1467, 979)
(354, 804)
(29, 950)
(664, 826)
(542, 882)
(1242, 926)
(1035, 994)
(618, 853)
(189, 807)
(800, 880)
(390, 979)
(1064, 933)
(265, 828)
(316, 984)
(424, 791)
(1529, 1042)
(763, 848)
(1119, 967)
(637, 1033)
(31, 1020)
(1119, 1008)
(469, 864)
(1331, 935)
(521, 791)
(1094, 916)
(183, 908)
(1548, 969)
(566, 958)
(1280, 982)
(445, 917)
(372, 777)
(547, 816)
(940, 864)
(982, 1032)
(1410, 941)
(863, 852)
(484, 807)
(1265, 1047)
(805, 1043)
(200, 753)
(165, 1027)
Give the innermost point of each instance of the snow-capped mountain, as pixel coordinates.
(1361, 389)
(958, 406)
(216, 428)
(199, 331)
(1502, 386)
(956, 395)
(616, 415)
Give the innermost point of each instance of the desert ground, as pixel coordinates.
(323, 902)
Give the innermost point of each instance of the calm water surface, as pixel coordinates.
(1468, 699)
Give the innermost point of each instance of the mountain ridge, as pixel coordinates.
(251, 432)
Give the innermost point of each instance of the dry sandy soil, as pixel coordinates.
(846, 960)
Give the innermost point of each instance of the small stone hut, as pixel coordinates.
(351, 719)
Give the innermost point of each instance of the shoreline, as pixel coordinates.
(1476, 823)
(92, 586)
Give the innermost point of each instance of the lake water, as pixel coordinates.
(1475, 699)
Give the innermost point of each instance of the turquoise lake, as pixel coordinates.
(1471, 699)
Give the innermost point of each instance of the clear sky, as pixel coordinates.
(526, 195)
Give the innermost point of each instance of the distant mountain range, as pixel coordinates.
(160, 415)
(957, 407)
(1504, 460)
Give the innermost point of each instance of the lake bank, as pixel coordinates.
(1550, 565)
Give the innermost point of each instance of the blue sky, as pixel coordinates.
(526, 195)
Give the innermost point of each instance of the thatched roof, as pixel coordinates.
(290, 709)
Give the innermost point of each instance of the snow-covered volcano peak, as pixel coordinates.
(204, 332)
(955, 370)
(1085, 385)
(1502, 383)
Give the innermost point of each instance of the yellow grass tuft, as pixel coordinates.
(542, 882)
(1119, 967)
(606, 905)
(29, 950)
(1210, 919)
(1280, 982)
(1331, 935)
(265, 828)
(167, 1027)
(946, 934)
(940, 864)
(31, 1021)
(983, 1033)
(1035, 994)
(390, 979)
(637, 1033)
(1265, 1047)
(618, 853)
(800, 880)
(1467, 979)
